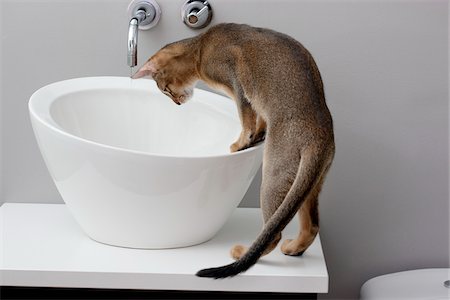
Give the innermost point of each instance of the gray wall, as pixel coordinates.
(385, 204)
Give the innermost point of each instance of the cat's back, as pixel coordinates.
(265, 52)
(261, 48)
(247, 36)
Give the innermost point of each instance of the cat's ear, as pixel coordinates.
(148, 69)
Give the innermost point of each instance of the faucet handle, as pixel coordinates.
(196, 13)
(151, 9)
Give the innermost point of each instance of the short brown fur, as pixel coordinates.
(279, 94)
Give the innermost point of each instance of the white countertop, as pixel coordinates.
(41, 245)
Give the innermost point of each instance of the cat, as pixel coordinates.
(279, 93)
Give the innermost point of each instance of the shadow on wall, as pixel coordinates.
(374, 211)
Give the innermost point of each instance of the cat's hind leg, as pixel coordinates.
(309, 225)
(276, 182)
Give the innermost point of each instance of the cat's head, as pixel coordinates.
(174, 74)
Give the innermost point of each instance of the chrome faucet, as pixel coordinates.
(133, 37)
(144, 15)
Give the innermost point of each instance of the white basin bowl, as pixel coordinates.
(137, 170)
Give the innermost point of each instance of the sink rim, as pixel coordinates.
(50, 93)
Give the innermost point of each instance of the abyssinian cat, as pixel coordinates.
(279, 94)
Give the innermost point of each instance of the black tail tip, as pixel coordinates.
(220, 272)
(207, 273)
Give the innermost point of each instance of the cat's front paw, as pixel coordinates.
(258, 137)
(235, 147)
(243, 142)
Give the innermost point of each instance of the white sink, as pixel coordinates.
(135, 169)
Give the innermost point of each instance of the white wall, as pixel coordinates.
(385, 204)
(1, 114)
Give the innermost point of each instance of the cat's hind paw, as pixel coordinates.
(238, 251)
(292, 248)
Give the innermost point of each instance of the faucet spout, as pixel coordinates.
(133, 29)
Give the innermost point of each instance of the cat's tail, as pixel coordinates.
(309, 173)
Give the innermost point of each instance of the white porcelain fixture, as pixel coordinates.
(420, 284)
(135, 169)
